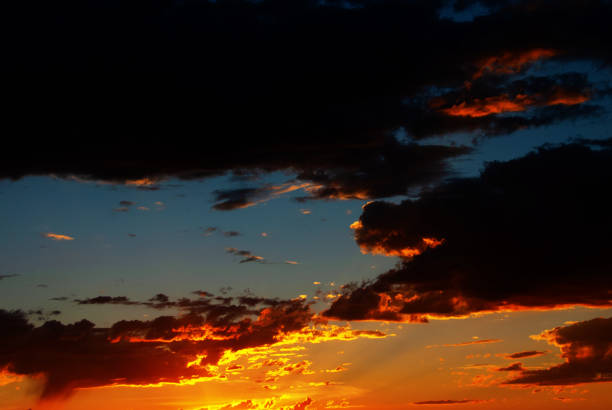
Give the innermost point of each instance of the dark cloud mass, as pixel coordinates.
(586, 348)
(138, 352)
(528, 233)
(314, 88)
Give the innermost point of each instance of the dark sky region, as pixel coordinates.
(268, 204)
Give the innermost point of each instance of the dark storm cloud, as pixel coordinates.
(137, 352)
(528, 233)
(586, 348)
(314, 88)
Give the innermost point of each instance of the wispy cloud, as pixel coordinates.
(247, 256)
(57, 236)
(468, 343)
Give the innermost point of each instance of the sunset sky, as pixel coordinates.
(306, 204)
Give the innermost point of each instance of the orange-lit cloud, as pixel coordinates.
(58, 237)
(206, 343)
(586, 348)
(511, 62)
(505, 103)
(142, 182)
(382, 248)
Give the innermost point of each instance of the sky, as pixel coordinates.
(240, 204)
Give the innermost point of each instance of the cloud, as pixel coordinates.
(246, 255)
(208, 231)
(586, 348)
(323, 109)
(477, 106)
(511, 62)
(57, 237)
(526, 234)
(436, 402)
(528, 353)
(469, 343)
(105, 300)
(168, 349)
(9, 275)
(230, 199)
(124, 206)
(515, 367)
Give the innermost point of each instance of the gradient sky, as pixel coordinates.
(306, 205)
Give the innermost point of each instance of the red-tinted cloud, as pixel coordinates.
(505, 103)
(511, 62)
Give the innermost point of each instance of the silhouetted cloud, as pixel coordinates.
(585, 347)
(167, 349)
(525, 234)
(212, 229)
(105, 300)
(323, 103)
(515, 367)
(436, 402)
(247, 256)
(527, 353)
(10, 275)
